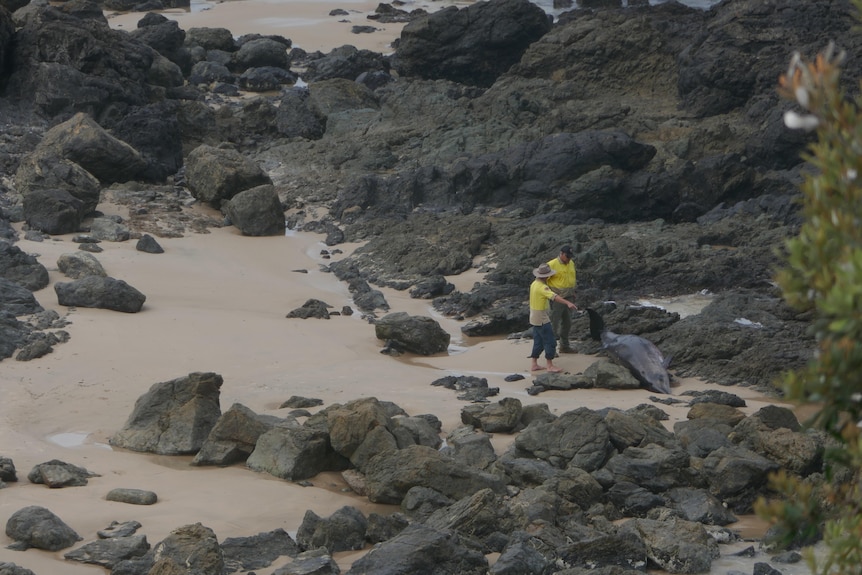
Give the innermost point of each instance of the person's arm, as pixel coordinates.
(560, 299)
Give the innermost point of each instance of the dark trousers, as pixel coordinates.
(561, 322)
(544, 340)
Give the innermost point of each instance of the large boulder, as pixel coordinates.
(173, 417)
(416, 334)
(234, 436)
(21, 268)
(260, 52)
(100, 68)
(38, 527)
(295, 453)
(17, 300)
(422, 549)
(83, 141)
(100, 292)
(675, 545)
(256, 212)
(390, 475)
(54, 211)
(77, 265)
(218, 174)
(473, 45)
(344, 530)
(578, 438)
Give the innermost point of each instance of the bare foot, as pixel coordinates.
(537, 368)
(554, 370)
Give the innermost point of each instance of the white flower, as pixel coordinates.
(796, 121)
(802, 96)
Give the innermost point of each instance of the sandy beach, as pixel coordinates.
(217, 302)
(308, 24)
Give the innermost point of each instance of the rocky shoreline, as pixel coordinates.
(650, 138)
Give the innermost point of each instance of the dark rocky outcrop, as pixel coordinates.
(421, 549)
(173, 417)
(21, 268)
(256, 212)
(56, 473)
(100, 292)
(416, 334)
(37, 527)
(218, 174)
(234, 435)
(473, 45)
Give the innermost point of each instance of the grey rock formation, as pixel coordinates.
(173, 417)
(416, 334)
(100, 292)
(218, 174)
(256, 212)
(37, 527)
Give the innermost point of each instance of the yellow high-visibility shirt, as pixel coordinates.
(564, 281)
(540, 297)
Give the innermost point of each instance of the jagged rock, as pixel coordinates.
(258, 551)
(653, 467)
(391, 474)
(501, 417)
(56, 473)
(260, 52)
(256, 212)
(469, 447)
(479, 515)
(311, 308)
(473, 45)
(83, 141)
(234, 435)
(148, 244)
(21, 268)
(737, 476)
(676, 546)
(295, 453)
(344, 530)
(384, 527)
(317, 561)
(108, 552)
(100, 292)
(218, 174)
(109, 230)
(116, 529)
(37, 527)
(77, 265)
(416, 334)
(173, 417)
(417, 430)
(421, 549)
(700, 506)
(53, 211)
(7, 470)
(17, 300)
(419, 502)
(578, 438)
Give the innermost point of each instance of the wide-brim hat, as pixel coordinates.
(543, 271)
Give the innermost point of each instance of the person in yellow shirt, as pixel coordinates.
(543, 334)
(563, 283)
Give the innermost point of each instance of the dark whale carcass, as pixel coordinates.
(639, 355)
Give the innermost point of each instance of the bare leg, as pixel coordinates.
(553, 368)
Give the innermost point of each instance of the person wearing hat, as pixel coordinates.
(563, 284)
(541, 296)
